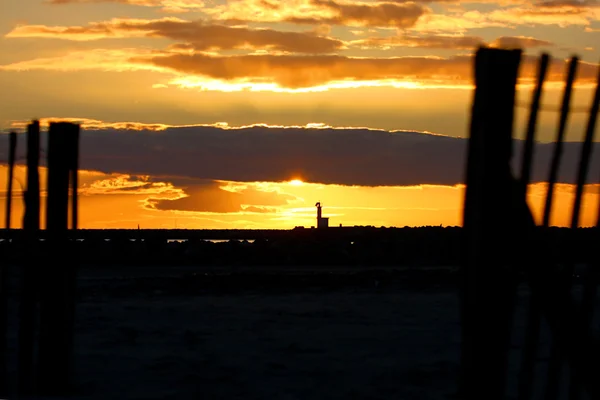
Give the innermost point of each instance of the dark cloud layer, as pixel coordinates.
(340, 156)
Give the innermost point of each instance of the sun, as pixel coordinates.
(296, 182)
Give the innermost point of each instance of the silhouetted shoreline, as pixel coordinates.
(357, 246)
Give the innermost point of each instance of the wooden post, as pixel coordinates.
(12, 147)
(586, 153)
(31, 221)
(74, 178)
(532, 332)
(560, 134)
(532, 122)
(58, 292)
(29, 288)
(488, 286)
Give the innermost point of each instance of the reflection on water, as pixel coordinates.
(212, 240)
(168, 240)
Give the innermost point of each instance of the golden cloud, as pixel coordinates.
(165, 5)
(386, 13)
(94, 124)
(196, 34)
(406, 14)
(306, 71)
(458, 42)
(331, 12)
(293, 72)
(455, 22)
(127, 184)
(117, 60)
(519, 42)
(213, 197)
(88, 123)
(561, 13)
(427, 41)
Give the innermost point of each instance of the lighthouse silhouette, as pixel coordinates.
(321, 222)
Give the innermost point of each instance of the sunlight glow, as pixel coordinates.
(296, 182)
(236, 85)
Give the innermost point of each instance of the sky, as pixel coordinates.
(245, 113)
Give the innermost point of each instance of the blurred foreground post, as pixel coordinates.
(488, 286)
(57, 303)
(30, 278)
(12, 147)
(589, 289)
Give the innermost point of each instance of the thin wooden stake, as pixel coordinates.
(589, 289)
(532, 331)
(558, 144)
(4, 389)
(30, 283)
(12, 148)
(58, 293)
(554, 367)
(532, 122)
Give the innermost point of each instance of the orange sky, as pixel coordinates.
(131, 69)
(116, 201)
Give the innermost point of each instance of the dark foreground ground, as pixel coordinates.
(306, 333)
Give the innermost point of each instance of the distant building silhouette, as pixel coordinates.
(321, 222)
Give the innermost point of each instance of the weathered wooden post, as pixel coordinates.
(30, 277)
(58, 291)
(575, 391)
(74, 166)
(488, 286)
(530, 345)
(31, 221)
(12, 147)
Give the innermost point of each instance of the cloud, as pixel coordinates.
(458, 42)
(455, 22)
(196, 34)
(212, 196)
(165, 5)
(576, 4)
(315, 12)
(306, 71)
(382, 14)
(94, 124)
(561, 13)
(334, 12)
(117, 60)
(415, 15)
(427, 41)
(292, 72)
(519, 42)
(345, 156)
(126, 184)
(387, 13)
(512, 14)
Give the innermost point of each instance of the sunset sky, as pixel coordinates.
(245, 113)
